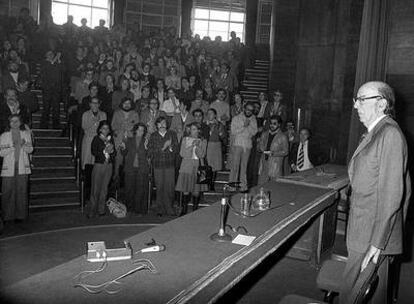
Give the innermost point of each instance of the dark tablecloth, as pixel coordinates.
(193, 267)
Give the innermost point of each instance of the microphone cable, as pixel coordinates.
(108, 286)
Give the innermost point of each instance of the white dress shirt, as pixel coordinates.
(306, 162)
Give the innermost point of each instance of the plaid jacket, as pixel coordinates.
(166, 158)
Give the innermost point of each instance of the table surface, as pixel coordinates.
(328, 176)
(192, 269)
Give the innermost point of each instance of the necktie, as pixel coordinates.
(301, 158)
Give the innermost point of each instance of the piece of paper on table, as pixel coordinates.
(244, 240)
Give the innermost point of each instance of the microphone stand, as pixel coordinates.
(221, 235)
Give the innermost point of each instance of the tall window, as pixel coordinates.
(219, 18)
(92, 10)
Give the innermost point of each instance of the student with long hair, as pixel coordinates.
(137, 170)
(193, 149)
(103, 149)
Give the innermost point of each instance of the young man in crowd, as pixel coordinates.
(243, 128)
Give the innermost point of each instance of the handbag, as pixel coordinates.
(115, 207)
(204, 173)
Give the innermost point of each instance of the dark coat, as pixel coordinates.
(130, 152)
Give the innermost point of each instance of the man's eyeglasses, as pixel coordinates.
(361, 100)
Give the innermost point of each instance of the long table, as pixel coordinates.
(192, 269)
(320, 235)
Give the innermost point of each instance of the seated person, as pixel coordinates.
(306, 154)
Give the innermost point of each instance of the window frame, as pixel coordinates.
(109, 9)
(210, 19)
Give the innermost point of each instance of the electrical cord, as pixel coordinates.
(106, 286)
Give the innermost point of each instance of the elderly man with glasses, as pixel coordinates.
(381, 189)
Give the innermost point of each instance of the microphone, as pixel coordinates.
(156, 248)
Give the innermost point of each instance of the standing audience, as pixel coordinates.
(103, 150)
(193, 152)
(243, 128)
(137, 170)
(15, 147)
(162, 148)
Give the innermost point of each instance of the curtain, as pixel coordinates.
(372, 57)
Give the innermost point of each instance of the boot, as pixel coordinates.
(184, 204)
(196, 202)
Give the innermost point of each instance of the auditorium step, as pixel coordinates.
(256, 80)
(53, 181)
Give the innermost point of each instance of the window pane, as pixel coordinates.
(79, 12)
(237, 27)
(201, 33)
(218, 26)
(219, 15)
(200, 25)
(98, 14)
(224, 35)
(100, 3)
(59, 13)
(201, 13)
(238, 17)
(84, 2)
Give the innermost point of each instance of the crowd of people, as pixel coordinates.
(143, 106)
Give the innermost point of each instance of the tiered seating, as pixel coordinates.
(256, 80)
(53, 181)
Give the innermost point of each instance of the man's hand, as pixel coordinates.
(224, 117)
(166, 144)
(372, 254)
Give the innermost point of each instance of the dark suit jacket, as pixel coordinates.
(315, 155)
(7, 80)
(381, 188)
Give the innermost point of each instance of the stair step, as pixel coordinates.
(52, 172)
(39, 115)
(262, 61)
(51, 180)
(36, 123)
(57, 187)
(47, 132)
(253, 71)
(53, 141)
(54, 202)
(53, 162)
(53, 151)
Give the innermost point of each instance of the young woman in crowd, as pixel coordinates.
(15, 147)
(237, 107)
(192, 151)
(103, 150)
(137, 170)
(217, 135)
(181, 120)
(159, 92)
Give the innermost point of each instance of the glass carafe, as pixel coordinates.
(261, 201)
